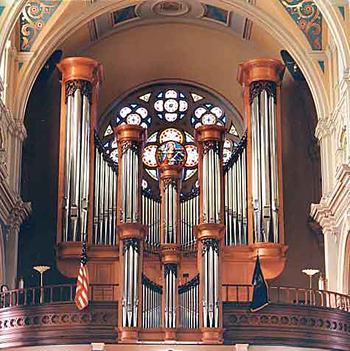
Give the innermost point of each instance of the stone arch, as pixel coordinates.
(57, 33)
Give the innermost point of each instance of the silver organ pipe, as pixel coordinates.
(130, 298)
(152, 304)
(105, 200)
(264, 161)
(151, 219)
(211, 183)
(129, 182)
(189, 219)
(235, 180)
(170, 277)
(188, 304)
(76, 160)
(211, 289)
(170, 211)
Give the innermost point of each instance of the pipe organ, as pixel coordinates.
(152, 303)
(189, 220)
(150, 240)
(105, 197)
(235, 177)
(188, 302)
(151, 219)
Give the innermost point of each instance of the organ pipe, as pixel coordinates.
(105, 200)
(152, 303)
(262, 82)
(211, 228)
(188, 304)
(80, 80)
(235, 175)
(130, 228)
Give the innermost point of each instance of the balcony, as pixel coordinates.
(295, 317)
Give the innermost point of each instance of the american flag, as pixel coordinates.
(82, 292)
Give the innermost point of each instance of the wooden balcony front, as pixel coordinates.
(295, 317)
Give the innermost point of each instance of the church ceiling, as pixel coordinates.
(308, 18)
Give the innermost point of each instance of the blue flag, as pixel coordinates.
(260, 292)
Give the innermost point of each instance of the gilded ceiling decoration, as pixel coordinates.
(34, 17)
(308, 18)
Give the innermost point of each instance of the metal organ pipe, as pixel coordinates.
(75, 198)
(151, 308)
(105, 201)
(235, 181)
(188, 297)
(265, 165)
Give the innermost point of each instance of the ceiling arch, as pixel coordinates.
(57, 32)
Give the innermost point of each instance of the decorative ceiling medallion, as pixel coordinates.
(170, 8)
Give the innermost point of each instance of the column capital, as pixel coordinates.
(260, 69)
(209, 132)
(76, 68)
(19, 212)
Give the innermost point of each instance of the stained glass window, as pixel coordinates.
(208, 114)
(134, 114)
(172, 112)
(171, 134)
(192, 156)
(171, 105)
(108, 131)
(149, 156)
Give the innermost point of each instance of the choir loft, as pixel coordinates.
(177, 151)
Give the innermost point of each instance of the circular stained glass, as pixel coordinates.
(124, 111)
(114, 155)
(209, 118)
(133, 118)
(199, 112)
(171, 105)
(171, 153)
(183, 106)
(192, 156)
(171, 134)
(171, 94)
(217, 111)
(159, 105)
(149, 156)
(142, 112)
(171, 117)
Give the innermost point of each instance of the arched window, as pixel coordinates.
(171, 111)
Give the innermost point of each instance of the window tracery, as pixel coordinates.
(172, 112)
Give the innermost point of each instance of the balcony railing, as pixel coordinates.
(295, 317)
(289, 295)
(55, 294)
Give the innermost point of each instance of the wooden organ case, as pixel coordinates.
(171, 257)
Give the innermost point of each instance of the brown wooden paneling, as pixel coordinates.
(288, 325)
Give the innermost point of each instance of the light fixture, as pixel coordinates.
(310, 272)
(41, 270)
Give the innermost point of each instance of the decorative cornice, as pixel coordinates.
(330, 212)
(33, 19)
